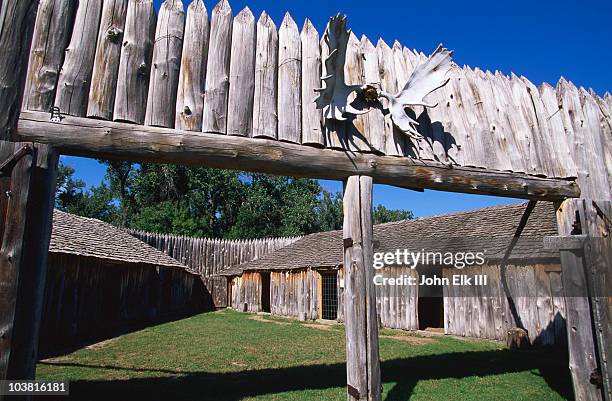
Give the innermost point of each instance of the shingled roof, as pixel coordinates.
(490, 230)
(83, 236)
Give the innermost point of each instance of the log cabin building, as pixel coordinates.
(305, 279)
(101, 280)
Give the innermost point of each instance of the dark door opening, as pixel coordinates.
(329, 295)
(265, 291)
(431, 313)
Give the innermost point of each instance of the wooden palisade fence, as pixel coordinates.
(233, 92)
(208, 256)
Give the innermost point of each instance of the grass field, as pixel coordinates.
(228, 355)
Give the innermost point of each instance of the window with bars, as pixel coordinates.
(329, 295)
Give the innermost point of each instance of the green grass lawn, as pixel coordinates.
(228, 355)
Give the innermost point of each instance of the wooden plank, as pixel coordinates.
(190, 93)
(363, 365)
(312, 133)
(106, 60)
(265, 118)
(582, 357)
(546, 334)
(51, 35)
(135, 63)
(166, 64)
(75, 75)
(242, 75)
(558, 300)
(217, 70)
(289, 82)
(23, 258)
(98, 138)
(17, 22)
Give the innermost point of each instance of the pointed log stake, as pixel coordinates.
(265, 120)
(166, 64)
(15, 40)
(362, 358)
(311, 78)
(51, 36)
(106, 62)
(75, 75)
(135, 64)
(289, 82)
(242, 75)
(217, 70)
(190, 95)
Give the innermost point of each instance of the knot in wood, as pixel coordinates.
(142, 69)
(187, 111)
(113, 34)
(372, 163)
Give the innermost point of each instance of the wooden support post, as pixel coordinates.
(26, 217)
(362, 360)
(581, 345)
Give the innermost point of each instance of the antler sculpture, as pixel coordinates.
(426, 78)
(334, 95)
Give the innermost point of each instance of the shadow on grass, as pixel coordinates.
(233, 386)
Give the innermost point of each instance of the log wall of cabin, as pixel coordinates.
(88, 298)
(469, 311)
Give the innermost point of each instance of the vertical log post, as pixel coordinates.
(362, 360)
(26, 231)
(16, 26)
(581, 346)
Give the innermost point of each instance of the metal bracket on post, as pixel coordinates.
(7, 166)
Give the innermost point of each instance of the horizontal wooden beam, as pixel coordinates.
(114, 140)
(565, 242)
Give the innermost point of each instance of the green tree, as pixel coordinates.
(207, 202)
(72, 197)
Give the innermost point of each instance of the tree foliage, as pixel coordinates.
(199, 201)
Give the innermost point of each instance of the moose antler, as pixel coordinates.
(426, 78)
(333, 96)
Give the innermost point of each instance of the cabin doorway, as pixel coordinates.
(265, 291)
(431, 313)
(329, 295)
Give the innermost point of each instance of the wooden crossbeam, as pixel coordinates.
(115, 140)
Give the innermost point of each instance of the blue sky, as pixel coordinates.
(542, 40)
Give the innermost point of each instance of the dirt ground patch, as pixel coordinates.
(260, 318)
(411, 339)
(325, 327)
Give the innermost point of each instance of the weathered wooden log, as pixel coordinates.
(23, 257)
(289, 82)
(374, 120)
(75, 75)
(17, 22)
(135, 63)
(106, 61)
(312, 133)
(395, 140)
(242, 75)
(581, 346)
(357, 136)
(190, 94)
(51, 35)
(217, 70)
(95, 138)
(166, 65)
(362, 359)
(265, 116)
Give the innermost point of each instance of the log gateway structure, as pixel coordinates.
(111, 79)
(207, 257)
(101, 281)
(532, 277)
